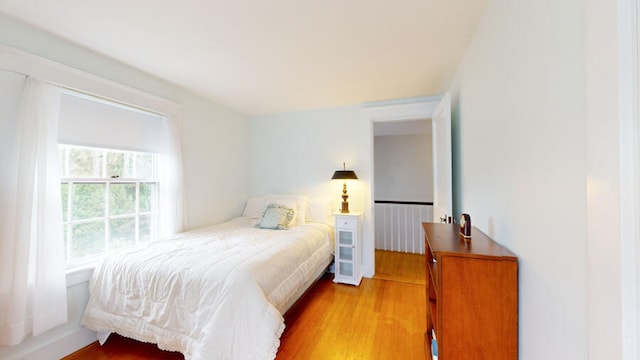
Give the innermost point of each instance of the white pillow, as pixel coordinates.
(297, 202)
(255, 207)
(321, 211)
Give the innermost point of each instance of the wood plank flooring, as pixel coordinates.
(402, 267)
(380, 319)
(121, 348)
(383, 318)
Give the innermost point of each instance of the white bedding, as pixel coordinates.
(213, 293)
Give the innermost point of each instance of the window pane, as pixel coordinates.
(85, 163)
(145, 166)
(119, 164)
(115, 164)
(88, 201)
(128, 165)
(122, 232)
(122, 199)
(64, 189)
(147, 196)
(87, 239)
(145, 228)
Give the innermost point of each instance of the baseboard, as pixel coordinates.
(63, 346)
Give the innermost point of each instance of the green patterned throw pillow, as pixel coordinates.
(276, 216)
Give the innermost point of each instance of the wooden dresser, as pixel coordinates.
(472, 295)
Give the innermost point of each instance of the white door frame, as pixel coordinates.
(613, 168)
(628, 100)
(442, 165)
(420, 108)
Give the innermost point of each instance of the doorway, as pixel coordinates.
(438, 110)
(403, 184)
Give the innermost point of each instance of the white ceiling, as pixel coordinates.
(266, 56)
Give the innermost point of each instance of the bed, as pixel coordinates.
(218, 292)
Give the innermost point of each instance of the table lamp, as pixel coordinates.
(344, 175)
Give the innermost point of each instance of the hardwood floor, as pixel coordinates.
(400, 267)
(380, 319)
(383, 318)
(121, 348)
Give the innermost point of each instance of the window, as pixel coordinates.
(109, 200)
(121, 176)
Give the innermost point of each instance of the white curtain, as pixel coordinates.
(171, 180)
(32, 274)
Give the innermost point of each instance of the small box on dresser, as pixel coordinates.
(472, 295)
(347, 247)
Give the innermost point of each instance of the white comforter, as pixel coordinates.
(213, 293)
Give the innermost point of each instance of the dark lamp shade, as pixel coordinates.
(344, 175)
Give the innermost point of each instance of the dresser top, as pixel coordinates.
(445, 238)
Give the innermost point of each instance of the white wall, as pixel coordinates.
(214, 154)
(403, 167)
(298, 152)
(524, 119)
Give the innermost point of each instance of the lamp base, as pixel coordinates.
(345, 207)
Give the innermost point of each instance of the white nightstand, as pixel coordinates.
(347, 256)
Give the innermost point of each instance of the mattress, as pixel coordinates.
(213, 293)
